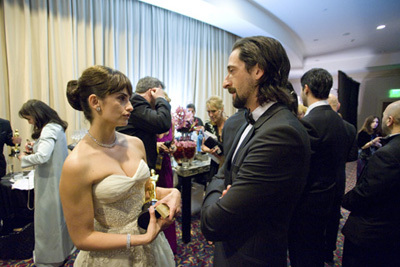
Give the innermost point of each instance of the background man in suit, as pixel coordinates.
(6, 137)
(327, 132)
(267, 165)
(332, 226)
(151, 115)
(372, 231)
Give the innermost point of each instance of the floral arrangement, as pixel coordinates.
(185, 151)
(183, 120)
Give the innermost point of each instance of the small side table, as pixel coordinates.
(186, 174)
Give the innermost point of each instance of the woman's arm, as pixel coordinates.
(44, 147)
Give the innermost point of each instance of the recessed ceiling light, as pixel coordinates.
(380, 27)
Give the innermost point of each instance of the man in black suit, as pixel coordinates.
(266, 167)
(372, 231)
(151, 115)
(327, 134)
(6, 137)
(332, 227)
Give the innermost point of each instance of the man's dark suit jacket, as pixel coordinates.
(5, 138)
(351, 152)
(146, 122)
(250, 223)
(328, 152)
(374, 221)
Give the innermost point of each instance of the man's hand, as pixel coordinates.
(157, 92)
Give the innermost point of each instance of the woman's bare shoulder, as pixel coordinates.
(131, 141)
(79, 162)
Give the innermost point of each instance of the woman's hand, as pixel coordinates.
(173, 201)
(29, 147)
(376, 141)
(21, 155)
(154, 227)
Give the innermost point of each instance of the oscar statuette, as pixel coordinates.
(161, 210)
(15, 150)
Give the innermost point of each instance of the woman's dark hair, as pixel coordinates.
(42, 114)
(271, 57)
(98, 80)
(367, 126)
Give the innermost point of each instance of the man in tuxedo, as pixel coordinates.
(6, 137)
(266, 167)
(151, 115)
(372, 231)
(332, 227)
(328, 153)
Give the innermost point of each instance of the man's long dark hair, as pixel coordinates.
(42, 114)
(271, 57)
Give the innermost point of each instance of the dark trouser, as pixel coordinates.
(333, 221)
(306, 235)
(356, 256)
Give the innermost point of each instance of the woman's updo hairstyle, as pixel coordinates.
(98, 80)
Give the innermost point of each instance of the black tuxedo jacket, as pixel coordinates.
(146, 122)
(328, 147)
(250, 223)
(5, 138)
(374, 221)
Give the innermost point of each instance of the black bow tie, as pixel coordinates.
(249, 116)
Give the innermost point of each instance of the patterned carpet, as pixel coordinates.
(198, 252)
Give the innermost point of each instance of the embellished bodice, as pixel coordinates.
(118, 201)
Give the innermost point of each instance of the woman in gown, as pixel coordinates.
(103, 180)
(47, 153)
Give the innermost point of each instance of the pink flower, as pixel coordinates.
(183, 120)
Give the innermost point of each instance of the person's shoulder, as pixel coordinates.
(131, 142)
(5, 124)
(4, 121)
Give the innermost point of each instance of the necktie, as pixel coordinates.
(249, 116)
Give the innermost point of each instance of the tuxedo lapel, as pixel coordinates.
(228, 158)
(241, 154)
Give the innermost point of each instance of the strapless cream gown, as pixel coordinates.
(118, 201)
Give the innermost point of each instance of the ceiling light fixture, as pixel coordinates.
(380, 27)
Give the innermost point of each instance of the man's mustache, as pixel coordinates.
(231, 90)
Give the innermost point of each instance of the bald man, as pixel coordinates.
(332, 226)
(372, 231)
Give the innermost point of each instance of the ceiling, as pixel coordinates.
(333, 34)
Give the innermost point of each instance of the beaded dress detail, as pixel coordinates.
(118, 201)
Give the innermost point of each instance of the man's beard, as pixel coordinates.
(385, 130)
(238, 102)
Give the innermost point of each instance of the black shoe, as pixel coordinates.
(328, 257)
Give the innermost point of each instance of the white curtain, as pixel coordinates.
(46, 43)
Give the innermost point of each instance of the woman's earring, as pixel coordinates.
(98, 109)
